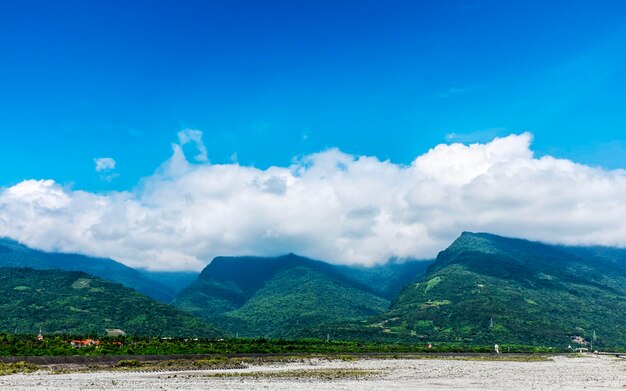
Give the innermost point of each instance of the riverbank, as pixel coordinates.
(468, 373)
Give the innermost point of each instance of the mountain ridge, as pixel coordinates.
(249, 295)
(68, 302)
(534, 293)
(15, 254)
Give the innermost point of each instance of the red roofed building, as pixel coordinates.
(78, 343)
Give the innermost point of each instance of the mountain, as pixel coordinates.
(78, 303)
(490, 289)
(14, 254)
(388, 279)
(174, 280)
(276, 297)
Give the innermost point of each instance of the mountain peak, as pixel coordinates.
(482, 235)
(475, 242)
(274, 296)
(503, 256)
(487, 288)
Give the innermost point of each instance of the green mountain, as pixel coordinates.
(14, 254)
(78, 303)
(388, 279)
(174, 280)
(490, 289)
(276, 297)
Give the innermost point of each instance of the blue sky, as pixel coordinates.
(266, 81)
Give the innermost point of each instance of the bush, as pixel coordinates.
(18, 367)
(128, 363)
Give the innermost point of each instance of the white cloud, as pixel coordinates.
(104, 164)
(105, 167)
(480, 136)
(329, 205)
(194, 136)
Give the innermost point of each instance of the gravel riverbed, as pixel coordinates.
(557, 373)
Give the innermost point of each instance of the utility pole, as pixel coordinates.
(593, 339)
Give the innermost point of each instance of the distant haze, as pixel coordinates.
(329, 205)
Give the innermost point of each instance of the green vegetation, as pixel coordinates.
(300, 297)
(482, 290)
(18, 367)
(60, 345)
(536, 295)
(174, 280)
(430, 284)
(277, 297)
(61, 302)
(13, 254)
(389, 279)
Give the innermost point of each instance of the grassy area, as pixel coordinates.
(18, 367)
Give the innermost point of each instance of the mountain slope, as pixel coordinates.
(535, 294)
(78, 303)
(174, 280)
(388, 279)
(274, 297)
(14, 254)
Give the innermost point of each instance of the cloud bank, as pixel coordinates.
(329, 205)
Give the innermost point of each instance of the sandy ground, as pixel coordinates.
(559, 373)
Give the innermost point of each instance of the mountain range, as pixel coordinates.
(482, 289)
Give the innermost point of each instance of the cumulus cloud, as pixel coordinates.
(329, 205)
(104, 164)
